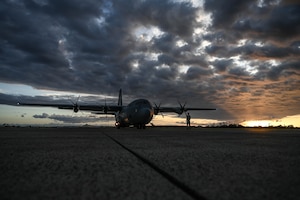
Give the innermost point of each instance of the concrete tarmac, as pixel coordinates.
(156, 163)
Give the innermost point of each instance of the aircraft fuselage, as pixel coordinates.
(138, 113)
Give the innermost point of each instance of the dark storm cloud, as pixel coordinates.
(73, 44)
(238, 72)
(149, 48)
(13, 100)
(42, 116)
(8, 99)
(225, 12)
(252, 51)
(285, 69)
(222, 64)
(265, 19)
(197, 73)
(171, 17)
(282, 23)
(67, 118)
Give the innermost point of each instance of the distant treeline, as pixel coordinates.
(241, 126)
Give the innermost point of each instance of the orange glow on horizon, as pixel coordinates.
(286, 121)
(260, 123)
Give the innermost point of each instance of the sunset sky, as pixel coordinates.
(241, 57)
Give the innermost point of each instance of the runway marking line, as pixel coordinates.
(189, 191)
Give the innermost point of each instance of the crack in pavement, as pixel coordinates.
(189, 191)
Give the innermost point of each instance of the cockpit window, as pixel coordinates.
(139, 102)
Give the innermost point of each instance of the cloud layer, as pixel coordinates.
(239, 56)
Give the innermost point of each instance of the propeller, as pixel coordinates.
(105, 109)
(157, 109)
(182, 108)
(75, 104)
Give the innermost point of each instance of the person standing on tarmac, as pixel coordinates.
(188, 120)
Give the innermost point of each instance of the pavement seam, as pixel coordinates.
(189, 191)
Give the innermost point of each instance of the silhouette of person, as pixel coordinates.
(188, 120)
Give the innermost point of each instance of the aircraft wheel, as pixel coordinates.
(139, 126)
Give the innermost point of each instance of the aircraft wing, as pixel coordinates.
(96, 109)
(178, 110)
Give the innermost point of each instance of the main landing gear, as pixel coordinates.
(141, 126)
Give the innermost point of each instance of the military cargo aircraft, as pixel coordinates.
(138, 113)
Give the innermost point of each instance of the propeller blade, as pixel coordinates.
(77, 99)
(182, 108)
(75, 104)
(157, 109)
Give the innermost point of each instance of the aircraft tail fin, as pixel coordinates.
(120, 98)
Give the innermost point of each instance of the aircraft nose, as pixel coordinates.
(144, 114)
